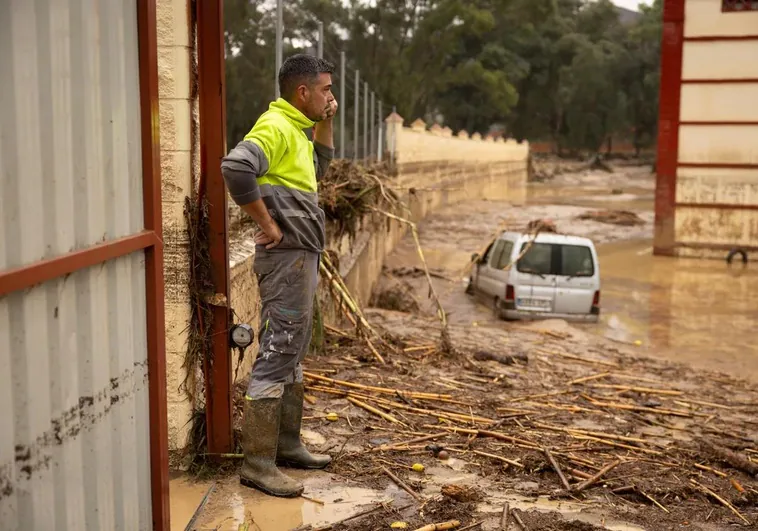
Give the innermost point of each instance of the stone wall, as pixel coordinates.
(179, 168)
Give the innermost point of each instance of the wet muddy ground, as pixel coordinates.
(586, 393)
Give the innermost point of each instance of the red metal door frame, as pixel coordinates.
(212, 105)
(150, 241)
(672, 43)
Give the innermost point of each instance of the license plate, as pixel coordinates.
(542, 304)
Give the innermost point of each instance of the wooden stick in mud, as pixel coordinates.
(654, 501)
(370, 409)
(446, 343)
(588, 378)
(386, 447)
(557, 468)
(597, 477)
(411, 394)
(452, 524)
(504, 517)
(720, 500)
(499, 458)
(472, 526)
(400, 483)
(519, 521)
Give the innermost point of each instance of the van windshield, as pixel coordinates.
(557, 259)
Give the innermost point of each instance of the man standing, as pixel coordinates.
(272, 174)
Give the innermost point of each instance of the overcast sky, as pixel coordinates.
(630, 4)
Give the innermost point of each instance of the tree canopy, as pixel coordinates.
(573, 72)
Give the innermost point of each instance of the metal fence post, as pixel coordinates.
(279, 51)
(373, 124)
(343, 136)
(320, 40)
(379, 147)
(357, 113)
(365, 120)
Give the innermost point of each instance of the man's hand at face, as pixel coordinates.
(331, 110)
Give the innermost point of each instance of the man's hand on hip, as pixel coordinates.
(270, 235)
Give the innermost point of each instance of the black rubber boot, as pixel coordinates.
(291, 451)
(260, 435)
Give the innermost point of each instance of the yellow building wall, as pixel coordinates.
(718, 135)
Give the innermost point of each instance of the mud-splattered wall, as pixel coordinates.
(179, 168)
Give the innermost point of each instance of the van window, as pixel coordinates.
(504, 258)
(576, 261)
(557, 259)
(538, 260)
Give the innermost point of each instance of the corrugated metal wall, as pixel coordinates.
(74, 432)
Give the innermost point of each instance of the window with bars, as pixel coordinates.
(739, 5)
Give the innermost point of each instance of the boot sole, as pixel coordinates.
(252, 485)
(301, 466)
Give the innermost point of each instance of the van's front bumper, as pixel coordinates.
(574, 317)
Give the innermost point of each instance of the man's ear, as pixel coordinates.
(302, 91)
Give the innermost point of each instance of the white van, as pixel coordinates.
(558, 277)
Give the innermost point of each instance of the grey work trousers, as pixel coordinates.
(287, 281)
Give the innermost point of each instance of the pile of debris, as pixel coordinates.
(614, 217)
(349, 191)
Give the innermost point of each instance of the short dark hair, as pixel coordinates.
(299, 69)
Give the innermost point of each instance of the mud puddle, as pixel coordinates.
(326, 499)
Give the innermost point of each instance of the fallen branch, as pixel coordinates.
(400, 483)
(734, 459)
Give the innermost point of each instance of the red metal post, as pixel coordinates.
(151, 189)
(668, 125)
(218, 370)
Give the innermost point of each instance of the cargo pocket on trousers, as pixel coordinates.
(284, 332)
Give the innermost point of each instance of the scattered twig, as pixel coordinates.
(720, 500)
(504, 518)
(597, 477)
(557, 468)
(400, 483)
(371, 409)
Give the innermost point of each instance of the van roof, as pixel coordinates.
(548, 237)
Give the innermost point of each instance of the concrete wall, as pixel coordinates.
(179, 169)
(717, 177)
